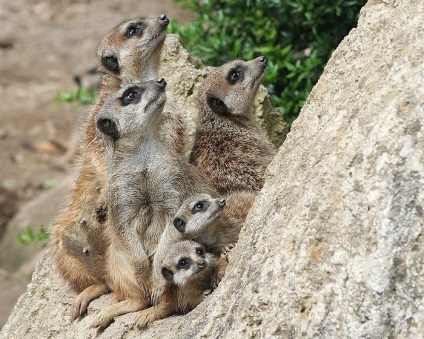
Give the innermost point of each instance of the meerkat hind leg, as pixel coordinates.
(80, 304)
(106, 315)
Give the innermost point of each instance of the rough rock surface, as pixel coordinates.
(333, 246)
(38, 212)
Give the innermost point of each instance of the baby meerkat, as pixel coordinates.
(229, 146)
(148, 181)
(204, 219)
(215, 223)
(189, 271)
(129, 52)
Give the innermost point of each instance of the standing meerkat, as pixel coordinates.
(148, 181)
(129, 52)
(229, 146)
(189, 271)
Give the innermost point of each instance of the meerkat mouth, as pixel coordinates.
(212, 215)
(157, 102)
(158, 36)
(257, 79)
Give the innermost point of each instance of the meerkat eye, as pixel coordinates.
(133, 30)
(200, 251)
(199, 206)
(131, 95)
(234, 75)
(184, 263)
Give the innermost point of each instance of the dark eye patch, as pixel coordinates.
(235, 74)
(133, 30)
(132, 95)
(200, 251)
(111, 63)
(184, 263)
(218, 106)
(200, 206)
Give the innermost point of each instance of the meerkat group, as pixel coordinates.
(143, 221)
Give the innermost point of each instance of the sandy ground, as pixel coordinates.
(43, 45)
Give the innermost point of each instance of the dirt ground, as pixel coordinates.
(43, 45)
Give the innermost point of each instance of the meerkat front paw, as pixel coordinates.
(226, 251)
(145, 318)
(79, 306)
(102, 320)
(156, 293)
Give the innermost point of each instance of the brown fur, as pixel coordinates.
(82, 220)
(186, 286)
(229, 146)
(148, 181)
(218, 224)
(216, 228)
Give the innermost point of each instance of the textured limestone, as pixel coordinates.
(333, 246)
(38, 212)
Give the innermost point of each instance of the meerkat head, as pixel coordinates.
(229, 90)
(135, 108)
(197, 212)
(131, 50)
(186, 262)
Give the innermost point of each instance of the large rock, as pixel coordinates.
(39, 212)
(333, 247)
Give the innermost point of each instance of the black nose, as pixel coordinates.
(164, 19)
(263, 60)
(161, 82)
(222, 202)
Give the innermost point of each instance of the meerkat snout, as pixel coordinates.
(222, 202)
(262, 60)
(162, 83)
(163, 19)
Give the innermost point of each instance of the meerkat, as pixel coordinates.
(148, 181)
(201, 218)
(229, 146)
(188, 270)
(130, 51)
(215, 223)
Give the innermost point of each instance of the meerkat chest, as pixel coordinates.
(146, 188)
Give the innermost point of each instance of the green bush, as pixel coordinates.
(34, 237)
(297, 37)
(79, 98)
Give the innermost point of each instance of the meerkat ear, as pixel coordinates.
(108, 127)
(179, 224)
(111, 63)
(168, 274)
(218, 106)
